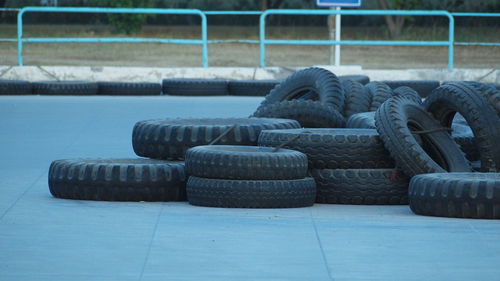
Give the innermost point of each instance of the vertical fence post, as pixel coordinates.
(204, 38)
(451, 40)
(20, 37)
(262, 38)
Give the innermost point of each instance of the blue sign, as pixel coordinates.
(339, 3)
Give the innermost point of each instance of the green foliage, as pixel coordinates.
(129, 23)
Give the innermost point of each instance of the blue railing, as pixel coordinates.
(202, 42)
(264, 41)
(262, 29)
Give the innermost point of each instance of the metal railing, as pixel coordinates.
(202, 42)
(476, 15)
(264, 41)
(450, 43)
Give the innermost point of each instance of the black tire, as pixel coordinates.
(15, 87)
(379, 92)
(422, 87)
(310, 114)
(361, 186)
(469, 146)
(459, 195)
(129, 89)
(447, 100)
(489, 92)
(408, 92)
(333, 148)
(357, 98)
(81, 88)
(238, 162)
(395, 121)
(171, 138)
(362, 79)
(195, 87)
(251, 194)
(118, 180)
(251, 87)
(312, 83)
(365, 120)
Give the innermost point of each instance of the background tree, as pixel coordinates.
(395, 23)
(129, 23)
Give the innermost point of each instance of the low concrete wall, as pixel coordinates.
(152, 74)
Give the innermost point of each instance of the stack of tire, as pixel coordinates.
(415, 134)
(162, 177)
(248, 177)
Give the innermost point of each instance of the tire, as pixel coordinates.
(408, 92)
(489, 92)
(239, 162)
(365, 120)
(310, 114)
(171, 138)
(118, 180)
(81, 88)
(361, 186)
(357, 98)
(362, 79)
(195, 87)
(312, 83)
(379, 92)
(129, 89)
(258, 88)
(396, 119)
(15, 87)
(251, 194)
(422, 87)
(459, 195)
(469, 146)
(333, 148)
(447, 100)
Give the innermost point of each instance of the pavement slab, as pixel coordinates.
(45, 238)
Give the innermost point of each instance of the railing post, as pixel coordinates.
(262, 39)
(451, 40)
(204, 38)
(20, 37)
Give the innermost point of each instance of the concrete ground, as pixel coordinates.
(45, 238)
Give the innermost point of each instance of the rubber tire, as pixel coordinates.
(171, 138)
(195, 87)
(408, 92)
(259, 88)
(482, 118)
(251, 194)
(489, 92)
(392, 120)
(361, 186)
(365, 120)
(362, 79)
(15, 87)
(118, 180)
(129, 89)
(239, 162)
(333, 148)
(316, 83)
(310, 114)
(82, 88)
(422, 87)
(459, 195)
(357, 98)
(379, 92)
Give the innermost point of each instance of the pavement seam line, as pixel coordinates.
(22, 195)
(151, 242)
(320, 246)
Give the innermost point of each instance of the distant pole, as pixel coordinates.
(338, 28)
(334, 30)
(331, 36)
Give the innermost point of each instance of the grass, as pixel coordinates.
(166, 55)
